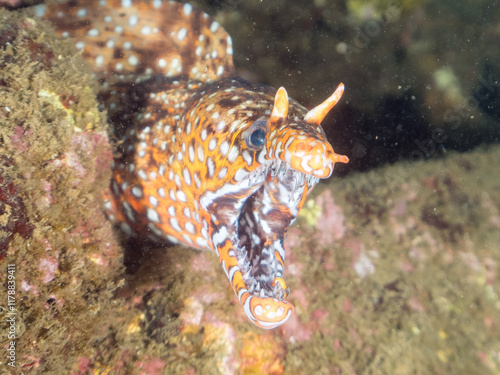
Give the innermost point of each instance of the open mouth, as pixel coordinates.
(262, 224)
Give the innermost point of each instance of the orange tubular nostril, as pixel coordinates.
(336, 158)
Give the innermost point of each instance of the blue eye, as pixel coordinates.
(255, 136)
(258, 137)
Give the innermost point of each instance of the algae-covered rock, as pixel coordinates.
(63, 263)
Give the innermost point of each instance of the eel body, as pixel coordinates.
(205, 159)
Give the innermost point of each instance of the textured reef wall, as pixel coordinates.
(54, 162)
(392, 271)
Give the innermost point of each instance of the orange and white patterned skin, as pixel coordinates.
(206, 159)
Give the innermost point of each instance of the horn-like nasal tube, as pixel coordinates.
(317, 114)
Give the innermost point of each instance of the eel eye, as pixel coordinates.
(255, 135)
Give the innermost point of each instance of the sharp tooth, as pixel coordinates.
(256, 287)
(251, 287)
(262, 293)
(299, 180)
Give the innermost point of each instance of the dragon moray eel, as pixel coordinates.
(206, 158)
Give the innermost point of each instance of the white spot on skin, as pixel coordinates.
(118, 29)
(222, 173)
(214, 26)
(146, 30)
(153, 215)
(115, 188)
(175, 224)
(229, 49)
(177, 180)
(171, 194)
(175, 64)
(162, 63)
(157, 231)
(220, 126)
(119, 66)
(137, 192)
(108, 19)
(126, 228)
(129, 211)
(200, 153)
(182, 196)
(171, 211)
(153, 201)
(191, 153)
(126, 3)
(233, 154)
(187, 177)
(110, 44)
(82, 12)
(240, 175)
(204, 135)
(161, 170)
(220, 70)
(211, 167)
(258, 310)
(181, 34)
(247, 157)
(187, 9)
(80, 45)
(99, 60)
(190, 227)
(93, 32)
(132, 21)
(127, 45)
(212, 144)
(224, 148)
(133, 60)
(197, 180)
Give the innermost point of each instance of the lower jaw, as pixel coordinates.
(267, 312)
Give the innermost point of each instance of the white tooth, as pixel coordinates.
(262, 293)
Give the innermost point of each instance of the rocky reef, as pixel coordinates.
(54, 162)
(394, 270)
